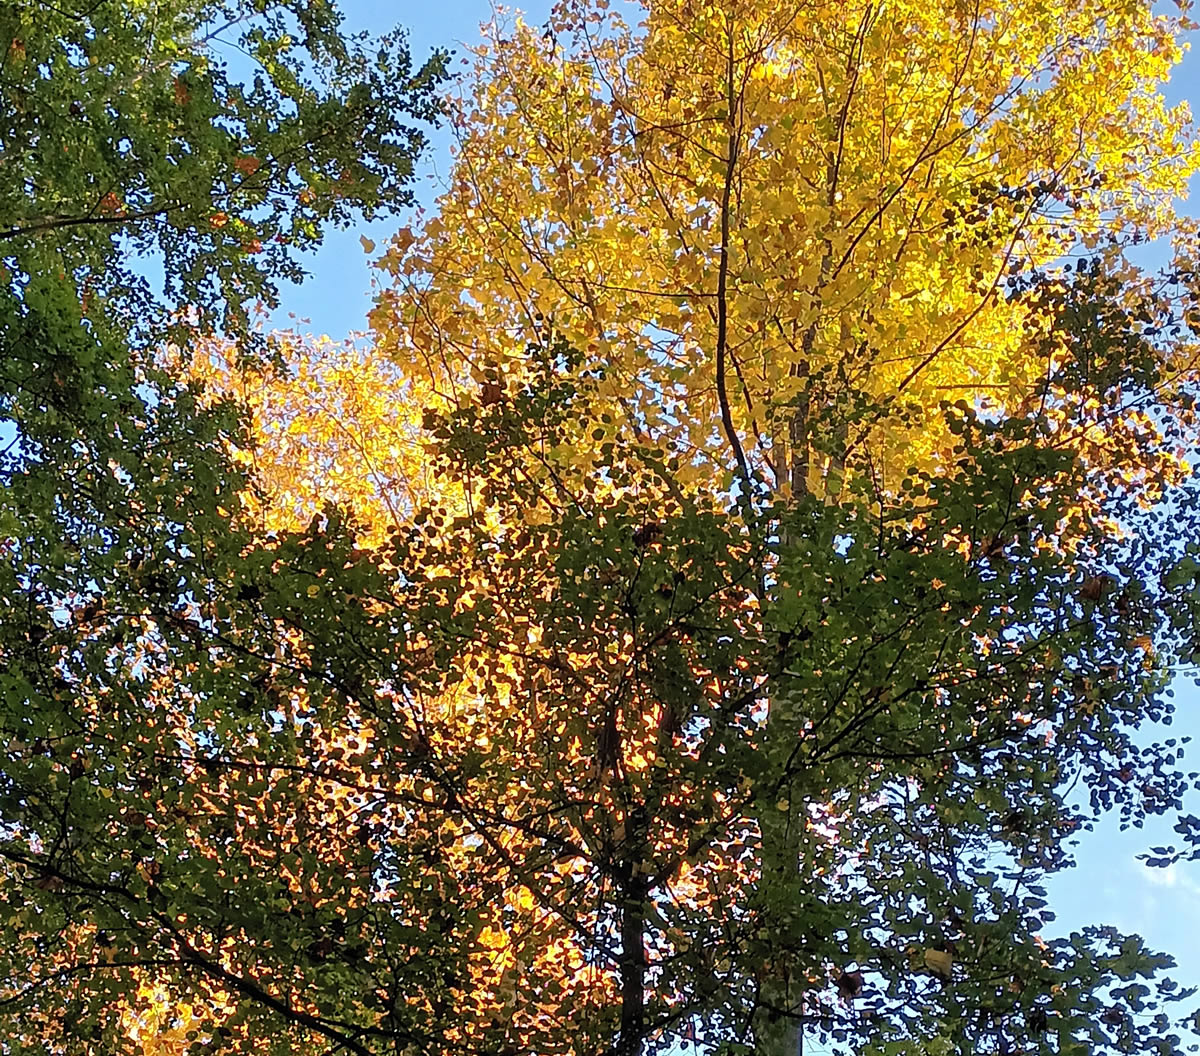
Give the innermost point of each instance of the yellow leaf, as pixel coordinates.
(939, 962)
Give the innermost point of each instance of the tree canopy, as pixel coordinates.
(751, 548)
(746, 210)
(164, 165)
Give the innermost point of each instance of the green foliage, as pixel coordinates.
(583, 758)
(163, 166)
(220, 137)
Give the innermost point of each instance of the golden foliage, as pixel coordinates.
(786, 230)
(828, 197)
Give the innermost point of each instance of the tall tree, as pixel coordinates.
(785, 234)
(196, 147)
(587, 672)
(699, 746)
(571, 734)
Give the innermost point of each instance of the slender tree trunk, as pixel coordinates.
(632, 967)
(798, 425)
(778, 1028)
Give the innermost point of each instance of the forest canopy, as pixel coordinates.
(754, 541)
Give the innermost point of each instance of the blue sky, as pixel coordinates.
(1109, 886)
(337, 297)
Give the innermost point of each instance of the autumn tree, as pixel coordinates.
(784, 236)
(773, 243)
(701, 748)
(690, 617)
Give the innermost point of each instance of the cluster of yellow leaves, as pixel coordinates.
(868, 173)
(160, 1024)
(340, 427)
(156, 1017)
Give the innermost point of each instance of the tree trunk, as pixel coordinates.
(777, 1024)
(632, 967)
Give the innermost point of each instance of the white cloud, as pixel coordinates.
(1162, 877)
